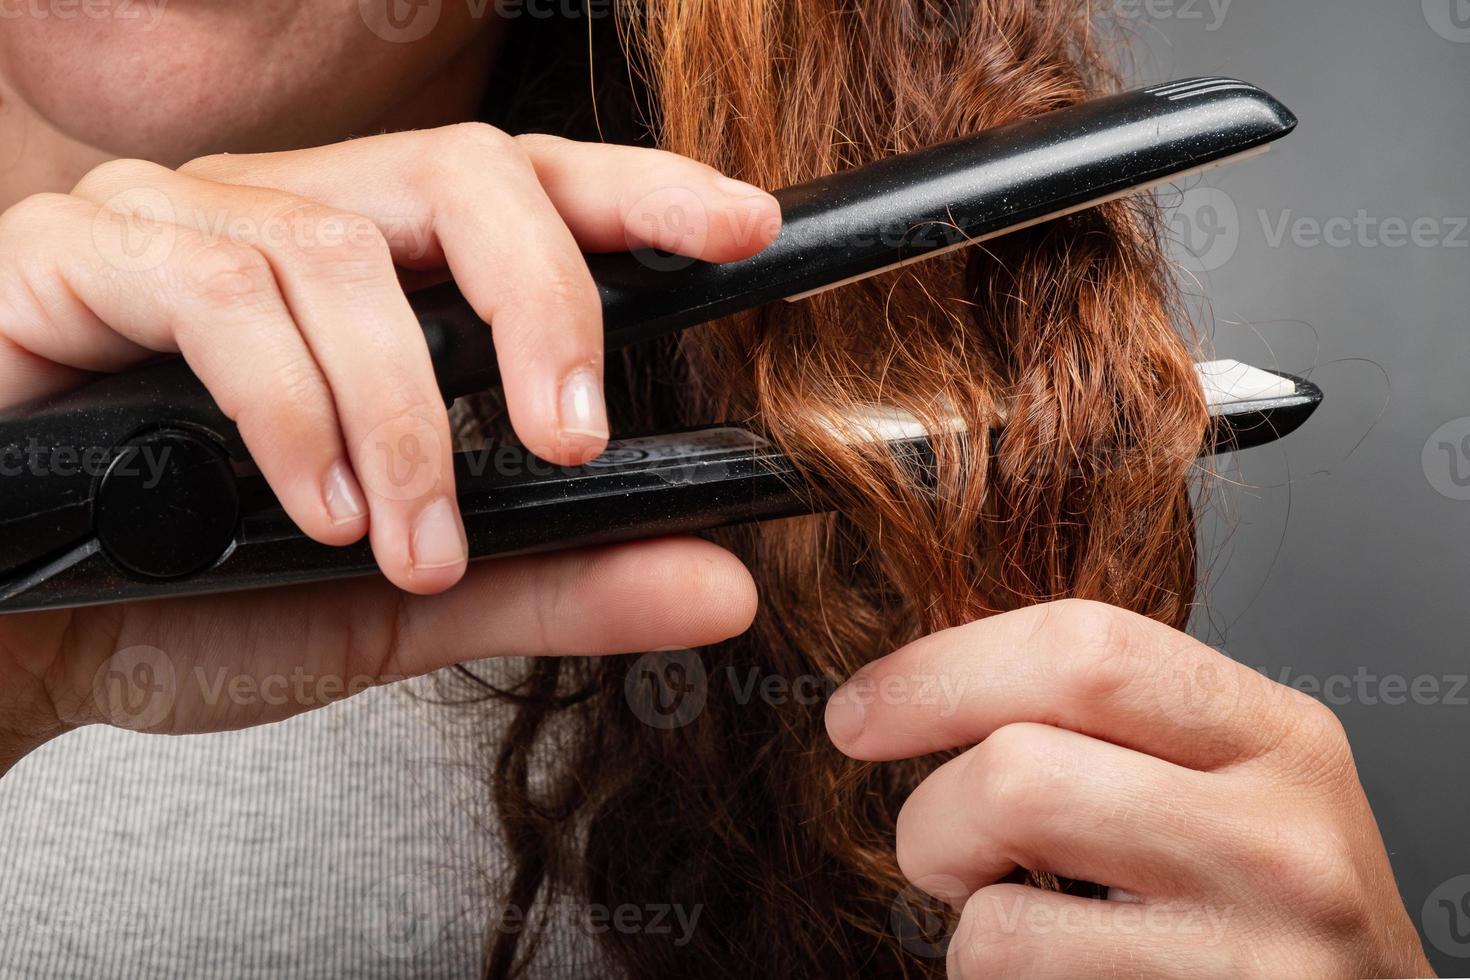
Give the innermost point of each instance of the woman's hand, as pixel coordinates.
(277, 277)
(1223, 810)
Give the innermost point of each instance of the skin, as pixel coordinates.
(1099, 745)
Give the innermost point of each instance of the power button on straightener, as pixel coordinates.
(167, 505)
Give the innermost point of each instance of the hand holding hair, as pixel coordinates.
(1221, 809)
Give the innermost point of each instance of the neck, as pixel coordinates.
(36, 157)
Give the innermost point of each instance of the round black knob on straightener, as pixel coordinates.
(168, 505)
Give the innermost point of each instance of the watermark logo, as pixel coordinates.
(1209, 13)
(401, 21)
(408, 455)
(674, 217)
(925, 925)
(58, 919)
(1446, 459)
(935, 21)
(150, 12)
(1364, 230)
(136, 230)
(1208, 228)
(136, 688)
(1450, 19)
(1446, 917)
(1198, 692)
(667, 689)
(406, 915)
(1206, 225)
(1370, 689)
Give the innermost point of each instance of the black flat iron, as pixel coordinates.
(158, 495)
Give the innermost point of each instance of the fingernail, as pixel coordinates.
(846, 716)
(438, 541)
(583, 412)
(739, 188)
(341, 495)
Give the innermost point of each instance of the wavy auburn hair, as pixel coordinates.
(1066, 332)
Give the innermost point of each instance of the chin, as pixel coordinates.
(184, 78)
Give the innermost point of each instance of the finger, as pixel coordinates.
(51, 339)
(1018, 931)
(509, 218)
(612, 198)
(509, 250)
(99, 302)
(517, 263)
(677, 592)
(617, 198)
(1044, 799)
(25, 376)
(337, 278)
(1085, 666)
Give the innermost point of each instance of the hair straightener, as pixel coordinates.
(137, 486)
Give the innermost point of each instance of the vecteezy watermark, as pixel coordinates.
(667, 689)
(672, 921)
(1364, 230)
(407, 21)
(1208, 229)
(1199, 691)
(935, 21)
(1206, 226)
(405, 915)
(136, 688)
(923, 924)
(138, 229)
(1446, 917)
(136, 926)
(1017, 915)
(410, 457)
(148, 12)
(298, 687)
(1450, 19)
(1210, 14)
(1371, 689)
(670, 689)
(1446, 459)
(34, 458)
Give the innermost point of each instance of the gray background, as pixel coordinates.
(1346, 553)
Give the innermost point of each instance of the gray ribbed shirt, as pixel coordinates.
(349, 841)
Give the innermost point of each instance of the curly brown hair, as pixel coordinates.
(1068, 331)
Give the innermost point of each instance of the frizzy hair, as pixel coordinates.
(1064, 333)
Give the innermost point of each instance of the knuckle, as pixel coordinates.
(337, 246)
(292, 407)
(1305, 862)
(206, 166)
(36, 212)
(227, 276)
(541, 141)
(113, 175)
(1095, 647)
(1003, 776)
(1322, 883)
(564, 297)
(568, 290)
(474, 141)
(1321, 736)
